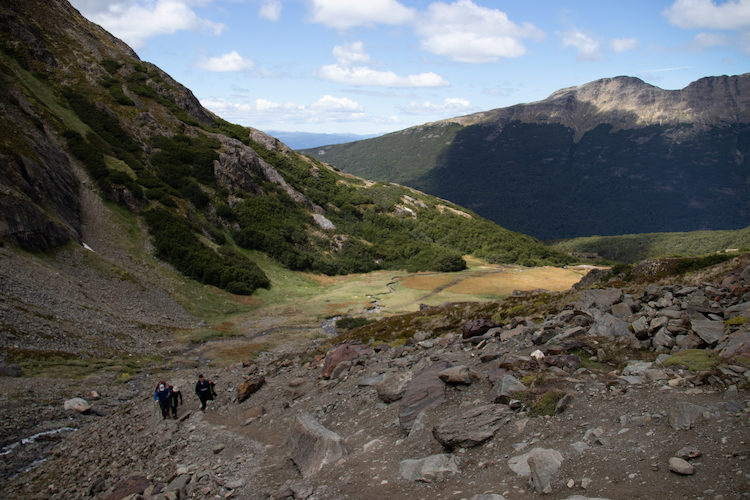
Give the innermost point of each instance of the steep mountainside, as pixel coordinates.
(81, 113)
(615, 156)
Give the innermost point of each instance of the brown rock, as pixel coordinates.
(477, 327)
(343, 352)
(250, 387)
(425, 391)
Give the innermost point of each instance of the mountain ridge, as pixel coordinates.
(614, 156)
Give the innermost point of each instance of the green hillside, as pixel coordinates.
(632, 248)
(209, 191)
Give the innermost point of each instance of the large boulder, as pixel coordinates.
(471, 428)
(597, 301)
(477, 327)
(425, 391)
(343, 352)
(250, 387)
(430, 469)
(393, 386)
(311, 446)
(505, 387)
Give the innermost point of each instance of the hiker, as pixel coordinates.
(174, 397)
(205, 391)
(162, 395)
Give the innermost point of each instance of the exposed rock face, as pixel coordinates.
(312, 446)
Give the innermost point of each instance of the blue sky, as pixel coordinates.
(376, 66)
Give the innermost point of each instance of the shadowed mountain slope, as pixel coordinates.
(615, 156)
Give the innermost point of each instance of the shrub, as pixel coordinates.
(177, 243)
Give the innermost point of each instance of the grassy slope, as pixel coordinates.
(631, 248)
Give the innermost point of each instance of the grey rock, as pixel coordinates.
(311, 446)
(609, 326)
(11, 371)
(471, 428)
(542, 467)
(688, 452)
(487, 496)
(431, 469)
(597, 300)
(393, 386)
(519, 464)
(681, 466)
(709, 331)
(684, 415)
(504, 388)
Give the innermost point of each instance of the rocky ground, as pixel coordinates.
(446, 417)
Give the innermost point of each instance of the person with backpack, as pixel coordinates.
(204, 389)
(162, 395)
(174, 399)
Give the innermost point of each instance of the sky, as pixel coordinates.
(378, 66)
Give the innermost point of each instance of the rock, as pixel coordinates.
(472, 427)
(302, 490)
(563, 403)
(423, 392)
(456, 375)
(688, 452)
(738, 345)
(504, 389)
(477, 327)
(431, 469)
(255, 412)
(683, 415)
(133, 486)
(519, 464)
(621, 310)
(298, 388)
(542, 467)
(343, 352)
(11, 371)
(595, 301)
(340, 369)
(178, 483)
(734, 311)
(635, 367)
(311, 446)
(77, 404)
(487, 496)
(681, 466)
(611, 327)
(393, 386)
(570, 361)
(709, 331)
(250, 387)
(218, 448)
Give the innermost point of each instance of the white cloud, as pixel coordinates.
(135, 21)
(350, 53)
(466, 32)
(363, 76)
(344, 14)
(689, 14)
(587, 48)
(621, 45)
(452, 105)
(231, 62)
(325, 109)
(703, 41)
(336, 105)
(270, 9)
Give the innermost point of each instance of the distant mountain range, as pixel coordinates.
(614, 156)
(303, 140)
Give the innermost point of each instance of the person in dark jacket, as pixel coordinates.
(174, 399)
(162, 395)
(204, 389)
